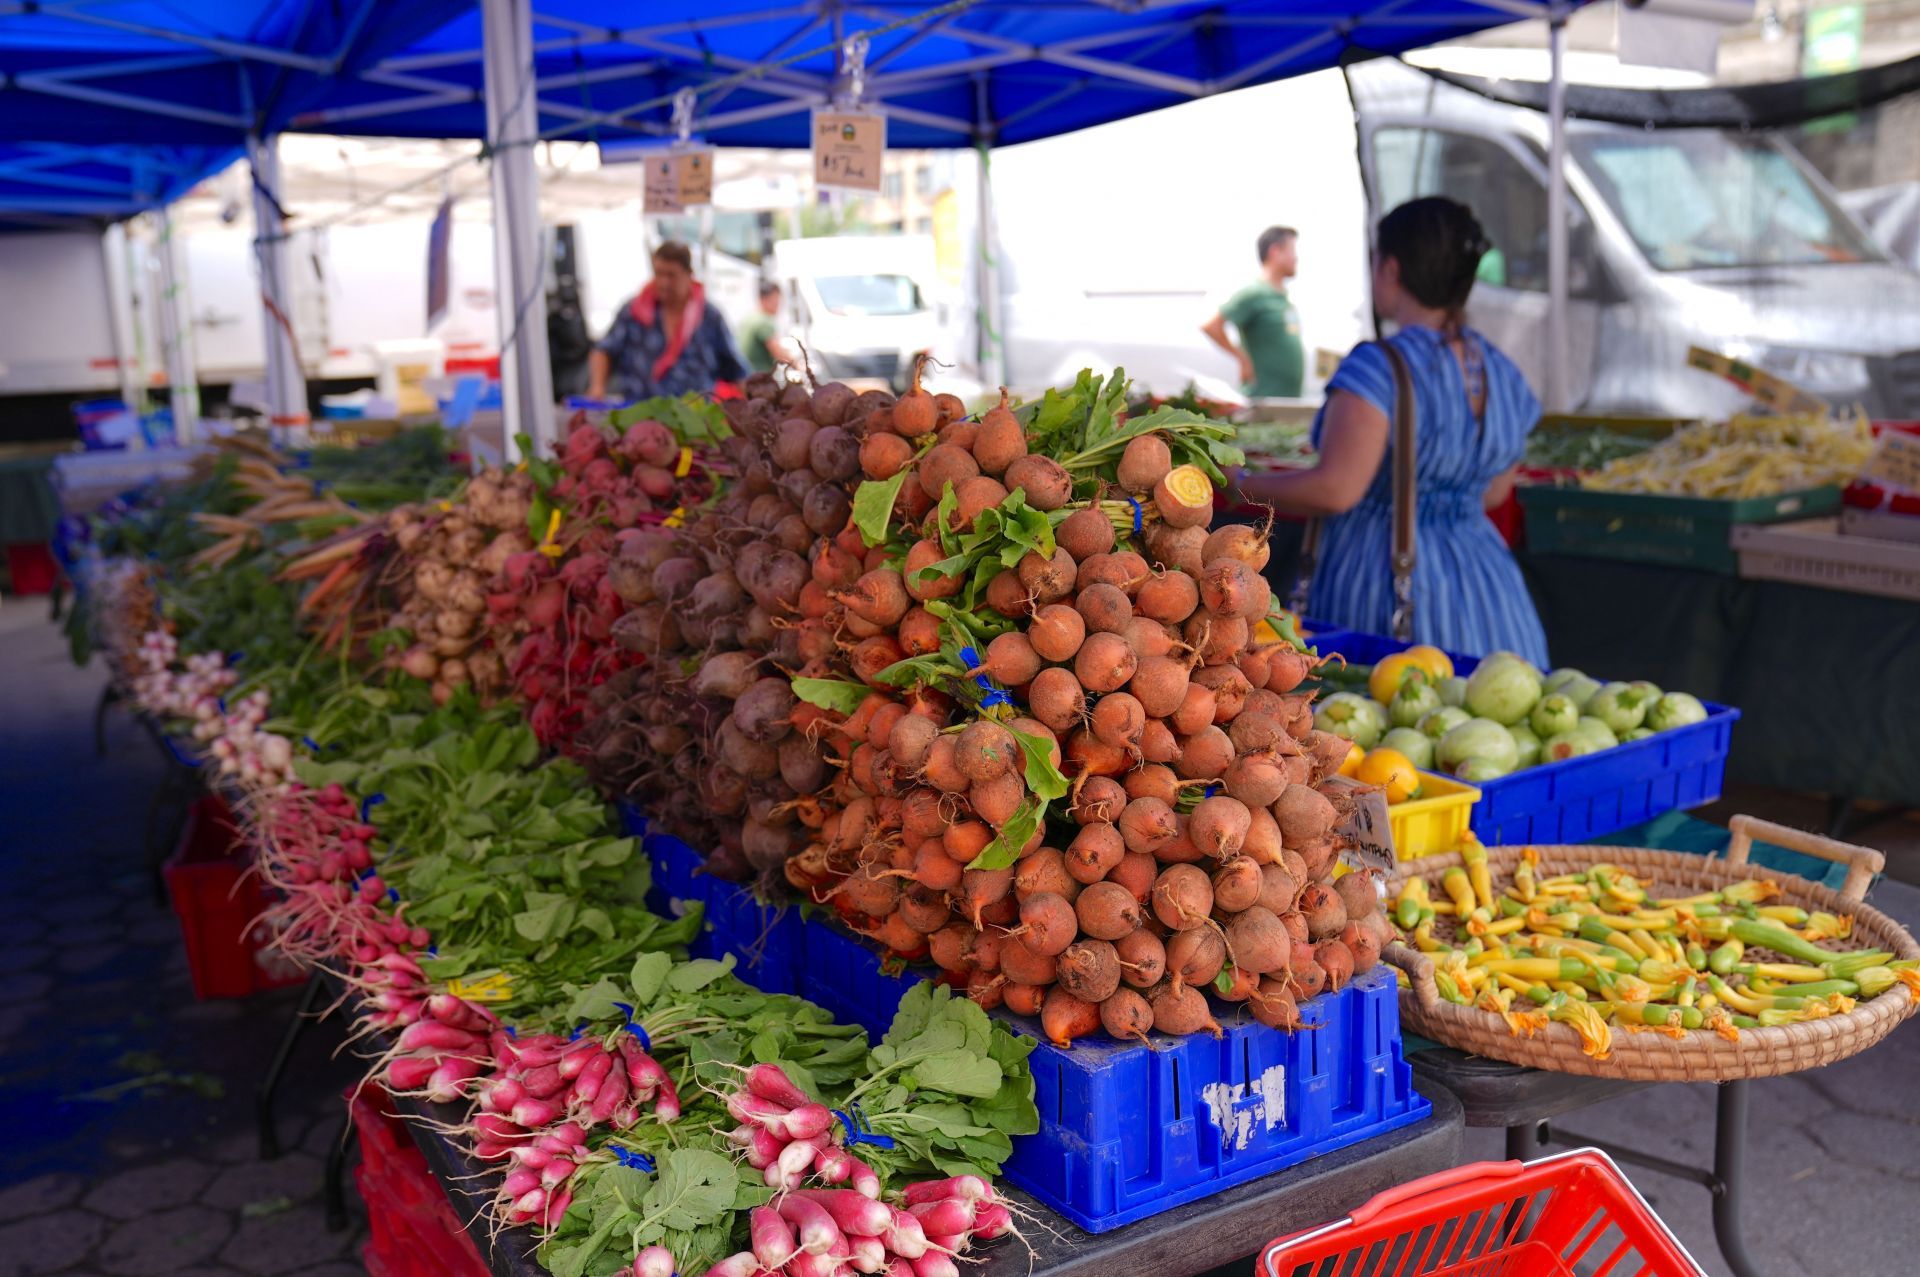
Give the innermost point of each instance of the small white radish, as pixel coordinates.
(654, 1261)
(869, 1255)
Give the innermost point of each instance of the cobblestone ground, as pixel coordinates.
(102, 1175)
(129, 1106)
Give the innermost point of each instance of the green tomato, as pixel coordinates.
(1579, 689)
(1503, 688)
(1675, 709)
(1527, 743)
(1415, 744)
(1353, 717)
(1554, 714)
(1573, 744)
(1453, 691)
(1413, 702)
(1477, 770)
(1650, 691)
(1442, 721)
(1619, 705)
(1634, 734)
(1480, 738)
(1559, 678)
(1599, 731)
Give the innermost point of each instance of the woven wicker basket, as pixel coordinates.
(1693, 1056)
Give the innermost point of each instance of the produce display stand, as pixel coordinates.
(1814, 552)
(1189, 1239)
(1523, 1100)
(1788, 655)
(1687, 532)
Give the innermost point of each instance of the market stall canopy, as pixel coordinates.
(953, 75)
(52, 184)
(948, 75)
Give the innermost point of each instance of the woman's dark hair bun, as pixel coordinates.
(1438, 243)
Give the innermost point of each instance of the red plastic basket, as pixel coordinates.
(1570, 1215)
(219, 904)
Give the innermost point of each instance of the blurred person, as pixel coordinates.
(760, 339)
(667, 340)
(1473, 412)
(1272, 363)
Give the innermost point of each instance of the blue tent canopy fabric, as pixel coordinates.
(193, 80)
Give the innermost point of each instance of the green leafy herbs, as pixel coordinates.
(873, 506)
(838, 695)
(1015, 834)
(1086, 427)
(692, 1203)
(949, 1086)
(691, 418)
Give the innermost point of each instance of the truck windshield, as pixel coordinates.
(869, 294)
(1699, 198)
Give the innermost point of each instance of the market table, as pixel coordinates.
(1789, 656)
(1188, 1239)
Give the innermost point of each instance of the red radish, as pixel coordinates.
(654, 1261)
(856, 1214)
(813, 1225)
(744, 1264)
(904, 1236)
(772, 1238)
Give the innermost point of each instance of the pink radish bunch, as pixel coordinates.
(316, 852)
(788, 1136)
(812, 1232)
(437, 1057)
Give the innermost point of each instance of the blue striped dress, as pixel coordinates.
(1468, 596)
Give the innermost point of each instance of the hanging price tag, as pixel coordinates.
(678, 180)
(1774, 392)
(847, 148)
(1896, 461)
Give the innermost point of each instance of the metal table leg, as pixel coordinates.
(1729, 1157)
(335, 1182)
(1523, 1141)
(310, 999)
(108, 695)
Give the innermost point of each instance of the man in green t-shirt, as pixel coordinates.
(1272, 362)
(760, 337)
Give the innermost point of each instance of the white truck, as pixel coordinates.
(863, 305)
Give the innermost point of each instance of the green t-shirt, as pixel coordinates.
(754, 336)
(1270, 333)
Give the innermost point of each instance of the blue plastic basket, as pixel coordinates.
(763, 939)
(1582, 798)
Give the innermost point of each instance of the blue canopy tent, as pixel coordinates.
(967, 73)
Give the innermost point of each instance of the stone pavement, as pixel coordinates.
(132, 1148)
(100, 1177)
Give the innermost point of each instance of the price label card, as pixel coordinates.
(677, 180)
(847, 147)
(1774, 392)
(1896, 461)
(1364, 830)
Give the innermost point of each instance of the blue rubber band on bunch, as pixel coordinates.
(221, 701)
(631, 1160)
(368, 803)
(367, 873)
(578, 1030)
(1139, 515)
(855, 1120)
(1209, 791)
(646, 1043)
(510, 1030)
(990, 695)
(310, 743)
(393, 895)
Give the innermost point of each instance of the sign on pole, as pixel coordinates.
(847, 148)
(678, 180)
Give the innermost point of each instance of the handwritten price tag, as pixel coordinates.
(1896, 461)
(847, 147)
(495, 987)
(677, 180)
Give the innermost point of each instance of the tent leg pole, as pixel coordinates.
(183, 391)
(286, 385)
(992, 343)
(1557, 352)
(526, 376)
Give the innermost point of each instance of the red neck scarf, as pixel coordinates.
(644, 306)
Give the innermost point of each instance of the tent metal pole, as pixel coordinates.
(176, 335)
(513, 126)
(993, 362)
(118, 253)
(286, 383)
(1557, 352)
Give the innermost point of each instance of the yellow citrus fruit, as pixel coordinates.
(1391, 672)
(1393, 771)
(1435, 662)
(1351, 765)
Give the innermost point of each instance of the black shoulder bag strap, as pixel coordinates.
(1404, 424)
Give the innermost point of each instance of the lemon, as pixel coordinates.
(1393, 771)
(1391, 672)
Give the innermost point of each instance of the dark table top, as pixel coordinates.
(1188, 1239)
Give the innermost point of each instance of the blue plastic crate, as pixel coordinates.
(1128, 1130)
(1594, 794)
(763, 939)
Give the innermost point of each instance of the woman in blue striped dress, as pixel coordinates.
(1475, 410)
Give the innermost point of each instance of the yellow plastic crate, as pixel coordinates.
(1435, 821)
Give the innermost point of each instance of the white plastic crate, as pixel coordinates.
(1815, 553)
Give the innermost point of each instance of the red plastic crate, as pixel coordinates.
(1573, 1213)
(31, 568)
(219, 903)
(412, 1229)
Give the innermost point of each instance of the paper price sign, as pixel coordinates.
(1896, 461)
(847, 147)
(678, 180)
